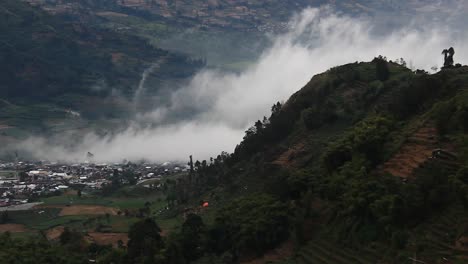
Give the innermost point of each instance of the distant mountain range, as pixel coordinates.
(240, 15)
(51, 67)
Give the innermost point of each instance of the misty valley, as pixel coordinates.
(224, 132)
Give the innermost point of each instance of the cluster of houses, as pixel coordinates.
(22, 182)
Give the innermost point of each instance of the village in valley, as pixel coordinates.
(22, 184)
(101, 200)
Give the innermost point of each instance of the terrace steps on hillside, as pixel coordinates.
(334, 258)
(312, 258)
(320, 251)
(364, 256)
(440, 233)
(448, 167)
(414, 153)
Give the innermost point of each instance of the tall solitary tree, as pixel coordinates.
(381, 68)
(191, 237)
(145, 241)
(445, 53)
(448, 57)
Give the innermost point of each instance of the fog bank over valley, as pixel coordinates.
(211, 113)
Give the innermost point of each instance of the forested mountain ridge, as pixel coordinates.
(370, 159)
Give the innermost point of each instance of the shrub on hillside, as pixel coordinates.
(366, 138)
(251, 225)
(314, 117)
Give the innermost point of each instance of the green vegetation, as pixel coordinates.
(145, 241)
(33, 218)
(36, 251)
(251, 225)
(68, 199)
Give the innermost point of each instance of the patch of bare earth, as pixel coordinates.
(54, 233)
(12, 228)
(108, 238)
(116, 57)
(287, 158)
(417, 150)
(70, 192)
(462, 243)
(87, 210)
(284, 251)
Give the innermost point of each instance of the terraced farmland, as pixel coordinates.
(326, 252)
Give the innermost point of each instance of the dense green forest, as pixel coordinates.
(327, 172)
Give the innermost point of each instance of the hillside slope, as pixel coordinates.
(371, 160)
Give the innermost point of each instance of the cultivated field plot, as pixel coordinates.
(73, 199)
(87, 210)
(54, 233)
(13, 228)
(108, 238)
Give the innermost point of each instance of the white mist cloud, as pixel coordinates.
(219, 106)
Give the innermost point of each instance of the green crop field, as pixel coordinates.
(34, 219)
(7, 174)
(74, 199)
(73, 221)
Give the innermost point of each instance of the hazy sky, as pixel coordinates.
(224, 105)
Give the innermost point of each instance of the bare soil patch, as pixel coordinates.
(54, 233)
(287, 158)
(87, 210)
(70, 192)
(108, 238)
(116, 57)
(462, 243)
(13, 228)
(417, 150)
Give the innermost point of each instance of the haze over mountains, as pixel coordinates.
(177, 113)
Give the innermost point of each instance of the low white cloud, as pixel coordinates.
(214, 110)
